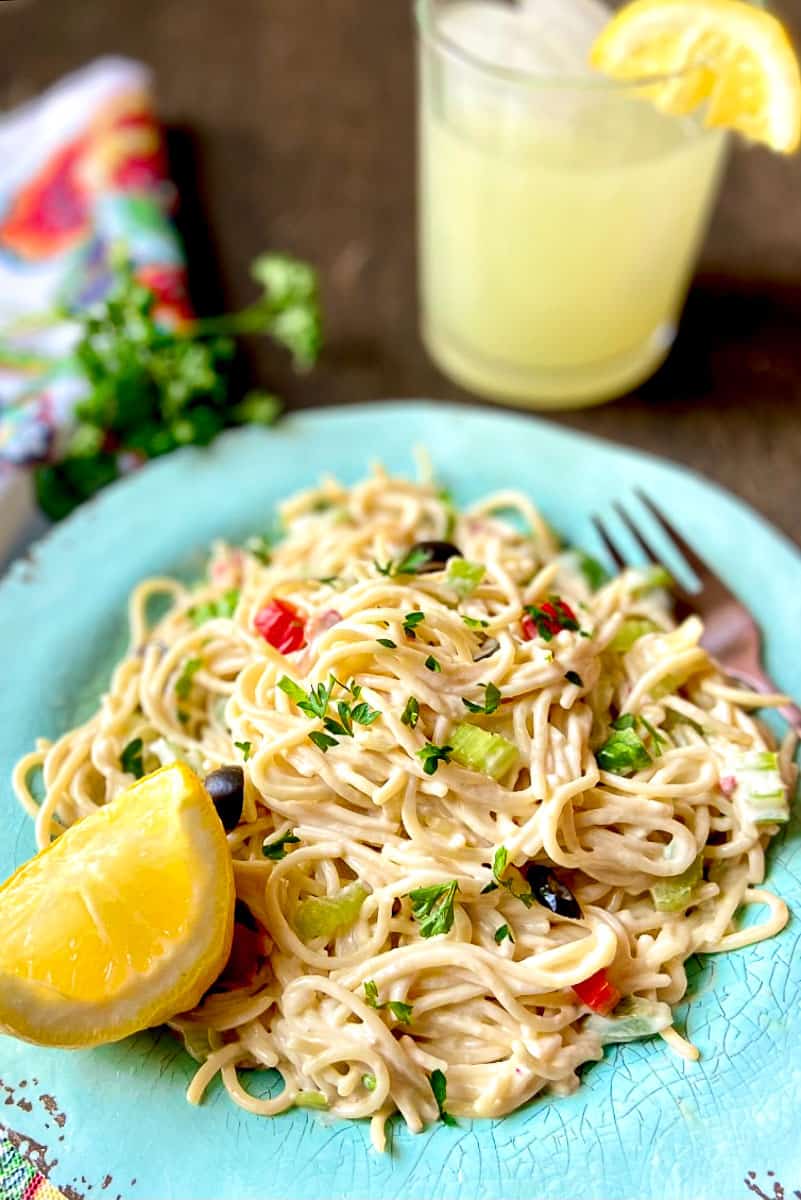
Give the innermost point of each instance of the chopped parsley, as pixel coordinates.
(411, 712)
(499, 862)
(323, 741)
(361, 713)
(261, 547)
(502, 933)
(417, 557)
(432, 907)
(411, 621)
(552, 617)
(574, 678)
(410, 564)
(209, 609)
(432, 756)
(492, 698)
(594, 574)
(400, 1011)
(656, 738)
(432, 664)
(369, 1082)
(277, 850)
(183, 684)
(390, 645)
(439, 1088)
(446, 497)
(246, 748)
(475, 623)
(131, 758)
(316, 701)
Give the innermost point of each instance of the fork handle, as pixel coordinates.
(759, 682)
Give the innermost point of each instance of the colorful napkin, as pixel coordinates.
(21, 1181)
(82, 168)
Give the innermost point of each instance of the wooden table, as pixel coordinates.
(292, 125)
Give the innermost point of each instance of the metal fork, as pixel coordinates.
(731, 635)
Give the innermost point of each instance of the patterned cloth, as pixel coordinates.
(19, 1180)
(82, 168)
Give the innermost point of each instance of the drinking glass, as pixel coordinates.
(560, 213)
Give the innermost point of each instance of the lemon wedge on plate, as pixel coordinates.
(125, 920)
(746, 72)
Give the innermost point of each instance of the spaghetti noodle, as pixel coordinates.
(515, 786)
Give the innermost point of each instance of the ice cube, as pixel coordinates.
(541, 37)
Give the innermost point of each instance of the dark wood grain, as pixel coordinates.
(296, 122)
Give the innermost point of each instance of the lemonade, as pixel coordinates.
(560, 213)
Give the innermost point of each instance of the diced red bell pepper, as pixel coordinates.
(281, 625)
(549, 619)
(598, 993)
(528, 627)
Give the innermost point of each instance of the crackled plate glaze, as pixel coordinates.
(114, 1123)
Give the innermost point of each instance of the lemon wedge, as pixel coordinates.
(125, 920)
(746, 72)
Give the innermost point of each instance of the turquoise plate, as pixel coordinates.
(645, 1124)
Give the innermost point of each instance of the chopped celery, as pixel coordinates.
(329, 916)
(195, 1039)
(652, 579)
(673, 893)
(311, 1100)
(760, 795)
(633, 1018)
(631, 630)
(623, 753)
(464, 576)
(166, 752)
(479, 750)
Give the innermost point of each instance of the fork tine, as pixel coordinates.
(702, 570)
(647, 550)
(609, 546)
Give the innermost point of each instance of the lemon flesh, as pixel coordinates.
(727, 54)
(122, 922)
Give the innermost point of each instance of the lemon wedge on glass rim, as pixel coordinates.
(746, 71)
(122, 922)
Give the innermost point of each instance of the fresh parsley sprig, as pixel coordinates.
(410, 564)
(432, 907)
(411, 621)
(183, 683)
(492, 698)
(225, 606)
(276, 850)
(315, 703)
(439, 1087)
(151, 388)
(131, 758)
(432, 756)
(400, 1011)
